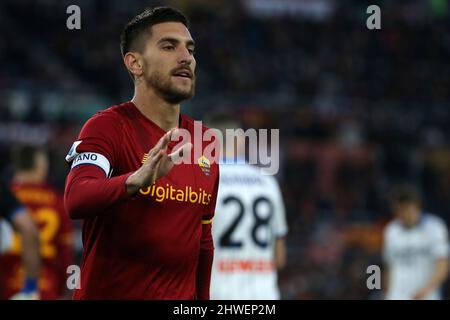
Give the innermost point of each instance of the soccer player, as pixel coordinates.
(146, 221)
(20, 219)
(55, 228)
(249, 228)
(416, 250)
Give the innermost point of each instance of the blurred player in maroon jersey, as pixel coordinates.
(146, 221)
(55, 228)
(14, 215)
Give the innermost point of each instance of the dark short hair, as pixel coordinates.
(23, 157)
(133, 34)
(405, 193)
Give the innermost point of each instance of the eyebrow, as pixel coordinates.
(174, 41)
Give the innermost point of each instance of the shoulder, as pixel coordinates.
(239, 168)
(392, 228)
(270, 178)
(102, 133)
(112, 116)
(246, 174)
(433, 222)
(106, 124)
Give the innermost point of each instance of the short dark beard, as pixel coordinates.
(164, 89)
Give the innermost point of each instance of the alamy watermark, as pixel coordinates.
(373, 282)
(257, 147)
(74, 279)
(74, 19)
(374, 20)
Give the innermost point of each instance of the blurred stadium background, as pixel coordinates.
(358, 110)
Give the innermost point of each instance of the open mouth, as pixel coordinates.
(183, 74)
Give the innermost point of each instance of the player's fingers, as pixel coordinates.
(162, 144)
(157, 163)
(153, 151)
(178, 154)
(163, 141)
(166, 140)
(174, 134)
(156, 159)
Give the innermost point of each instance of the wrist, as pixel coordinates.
(133, 184)
(428, 288)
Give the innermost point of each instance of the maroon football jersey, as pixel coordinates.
(146, 246)
(56, 243)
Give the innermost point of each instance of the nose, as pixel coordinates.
(185, 57)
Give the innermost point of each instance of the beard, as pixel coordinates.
(167, 89)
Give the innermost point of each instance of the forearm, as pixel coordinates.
(205, 261)
(280, 253)
(25, 226)
(30, 254)
(30, 245)
(385, 279)
(88, 192)
(204, 274)
(439, 275)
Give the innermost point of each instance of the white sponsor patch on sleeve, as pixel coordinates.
(93, 158)
(73, 151)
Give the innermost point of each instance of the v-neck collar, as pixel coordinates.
(181, 119)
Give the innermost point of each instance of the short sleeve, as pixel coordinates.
(439, 238)
(97, 143)
(212, 204)
(386, 250)
(279, 223)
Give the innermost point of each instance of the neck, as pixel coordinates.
(155, 108)
(28, 177)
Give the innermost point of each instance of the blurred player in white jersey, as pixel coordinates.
(249, 228)
(416, 250)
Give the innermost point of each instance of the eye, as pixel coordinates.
(169, 48)
(191, 51)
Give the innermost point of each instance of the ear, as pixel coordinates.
(134, 64)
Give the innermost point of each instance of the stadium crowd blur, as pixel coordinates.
(358, 110)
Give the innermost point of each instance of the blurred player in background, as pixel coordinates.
(146, 221)
(416, 249)
(55, 228)
(250, 226)
(14, 213)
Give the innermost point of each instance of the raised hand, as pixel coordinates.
(158, 163)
